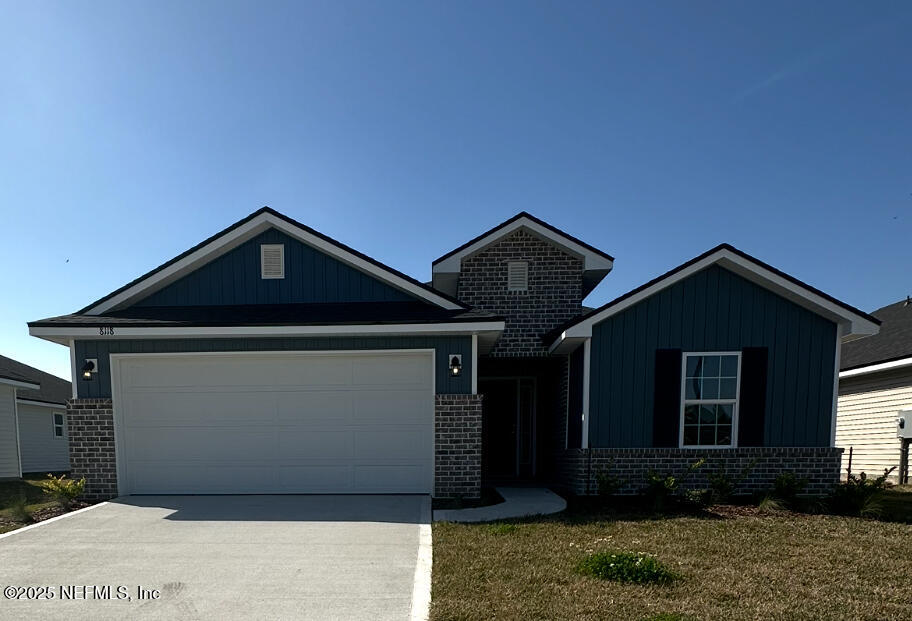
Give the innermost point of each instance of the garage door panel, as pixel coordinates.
(317, 407)
(383, 406)
(292, 423)
(315, 444)
(201, 444)
(391, 370)
(147, 409)
(379, 443)
(403, 479)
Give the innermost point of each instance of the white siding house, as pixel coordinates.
(875, 383)
(866, 420)
(9, 434)
(43, 437)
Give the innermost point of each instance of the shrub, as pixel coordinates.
(858, 495)
(18, 510)
(626, 567)
(607, 483)
(769, 504)
(722, 486)
(63, 490)
(660, 488)
(787, 487)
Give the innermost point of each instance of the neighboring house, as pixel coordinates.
(40, 419)
(875, 383)
(271, 358)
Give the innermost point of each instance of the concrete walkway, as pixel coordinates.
(225, 557)
(518, 502)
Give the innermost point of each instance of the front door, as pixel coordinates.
(508, 427)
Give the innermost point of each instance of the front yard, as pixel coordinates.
(23, 502)
(733, 563)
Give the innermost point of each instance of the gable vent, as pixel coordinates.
(517, 276)
(272, 261)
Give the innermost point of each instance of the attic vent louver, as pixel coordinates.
(517, 276)
(272, 261)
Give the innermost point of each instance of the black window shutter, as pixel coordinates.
(666, 419)
(752, 399)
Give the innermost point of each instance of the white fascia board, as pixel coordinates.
(43, 404)
(19, 384)
(239, 235)
(852, 323)
(591, 260)
(55, 333)
(875, 368)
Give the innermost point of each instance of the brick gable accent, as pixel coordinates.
(554, 295)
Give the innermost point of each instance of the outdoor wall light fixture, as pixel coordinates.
(455, 364)
(89, 369)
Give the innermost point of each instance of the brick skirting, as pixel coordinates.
(90, 426)
(577, 468)
(457, 450)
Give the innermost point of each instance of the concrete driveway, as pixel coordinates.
(224, 557)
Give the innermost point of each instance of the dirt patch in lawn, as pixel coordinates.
(734, 563)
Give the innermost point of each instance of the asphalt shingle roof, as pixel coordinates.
(53, 389)
(893, 341)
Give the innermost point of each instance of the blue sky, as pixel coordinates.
(131, 131)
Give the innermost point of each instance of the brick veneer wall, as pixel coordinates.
(554, 295)
(457, 450)
(90, 427)
(820, 465)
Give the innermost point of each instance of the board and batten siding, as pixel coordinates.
(9, 444)
(42, 451)
(445, 383)
(866, 419)
(311, 276)
(713, 310)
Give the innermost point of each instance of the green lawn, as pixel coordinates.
(11, 491)
(735, 564)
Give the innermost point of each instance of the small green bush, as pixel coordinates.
(501, 529)
(660, 487)
(787, 487)
(63, 490)
(722, 486)
(858, 495)
(608, 484)
(769, 504)
(626, 567)
(18, 510)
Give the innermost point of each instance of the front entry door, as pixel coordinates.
(508, 428)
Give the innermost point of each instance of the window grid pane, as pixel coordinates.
(712, 379)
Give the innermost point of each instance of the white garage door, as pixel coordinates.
(275, 423)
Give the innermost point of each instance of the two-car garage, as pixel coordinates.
(299, 422)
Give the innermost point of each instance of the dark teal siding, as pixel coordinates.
(310, 276)
(713, 310)
(100, 386)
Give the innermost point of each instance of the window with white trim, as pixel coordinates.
(709, 399)
(272, 261)
(59, 424)
(517, 276)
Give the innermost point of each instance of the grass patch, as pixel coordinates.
(739, 564)
(626, 567)
(499, 528)
(19, 499)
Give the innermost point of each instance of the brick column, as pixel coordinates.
(90, 426)
(457, 446)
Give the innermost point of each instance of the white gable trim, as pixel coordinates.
(853, 324)
(591, 260)
(19, 384)
(234, 238)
